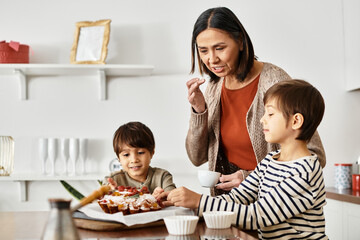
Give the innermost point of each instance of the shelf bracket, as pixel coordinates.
(23, 84)
(23, 190)
(102, 82)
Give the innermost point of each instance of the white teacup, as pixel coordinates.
(208, 178)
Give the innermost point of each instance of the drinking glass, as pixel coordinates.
(73, 153)
(43, 153)
(6, 155)
(83, 153)
(52, 152)
(64, 152)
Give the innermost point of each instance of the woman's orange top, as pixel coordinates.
(234, 135)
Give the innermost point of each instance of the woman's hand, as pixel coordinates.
(195, 96)
(112, 183)
(183, 197)
(230, 181)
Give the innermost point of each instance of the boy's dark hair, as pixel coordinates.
(134, 134)
(224, 19)
(299, 96)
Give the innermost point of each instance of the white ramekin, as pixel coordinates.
(218, 220)
(181, 225)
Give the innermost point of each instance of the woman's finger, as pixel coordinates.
(201, 81)
(195, 86)
(191, 82)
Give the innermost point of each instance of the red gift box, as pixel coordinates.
(13, 52)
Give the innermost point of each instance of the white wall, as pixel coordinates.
(305, 38)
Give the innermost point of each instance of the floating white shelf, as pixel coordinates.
(23, 179)
(40, 177)
(23, 71)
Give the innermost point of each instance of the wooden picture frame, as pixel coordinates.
(90, 42)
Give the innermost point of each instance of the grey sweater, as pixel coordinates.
(157, 177)
(202, 140)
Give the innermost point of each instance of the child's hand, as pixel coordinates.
(183, 197)
(230, 181)
(112, 183)
(157, 191)
(162, 199)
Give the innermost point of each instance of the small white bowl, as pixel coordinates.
(218, 220)
(208, 178)
(181, 225)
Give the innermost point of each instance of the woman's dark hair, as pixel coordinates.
(133, 134)
(224, 19)
(298, 96)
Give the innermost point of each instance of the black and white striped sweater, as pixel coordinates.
(282, 200)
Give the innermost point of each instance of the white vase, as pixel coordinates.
(43, 153)
(73, 154)
(64, 153)
(83, 151)
(52, 152)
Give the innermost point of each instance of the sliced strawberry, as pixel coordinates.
(144, 189)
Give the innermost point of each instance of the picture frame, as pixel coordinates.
(90, 42)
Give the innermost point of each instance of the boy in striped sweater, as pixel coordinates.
(283, 198)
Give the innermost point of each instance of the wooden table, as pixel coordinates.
(30, 225)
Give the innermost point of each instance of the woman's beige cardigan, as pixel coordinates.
(202, 141)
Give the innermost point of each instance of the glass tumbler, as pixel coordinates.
(6, 155)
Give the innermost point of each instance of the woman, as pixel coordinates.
(225, 128)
